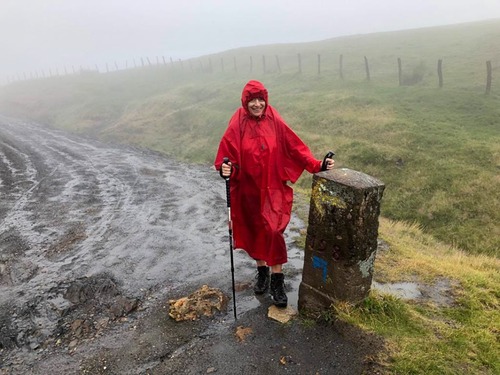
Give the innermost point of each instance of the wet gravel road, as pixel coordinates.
(94, 240)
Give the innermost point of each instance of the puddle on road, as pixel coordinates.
(405, 290)
(439, 293)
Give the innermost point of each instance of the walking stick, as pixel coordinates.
(230, 226)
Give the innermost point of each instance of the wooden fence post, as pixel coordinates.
(367, 68)
(278, 64)
(341, 67)
(440, 72)
(488, 77)
(400, 72)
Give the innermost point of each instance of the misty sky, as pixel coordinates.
(52, 34)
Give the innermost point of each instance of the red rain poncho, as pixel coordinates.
(265, 154)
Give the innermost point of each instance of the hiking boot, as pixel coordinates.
(263, 279)
(278, 290)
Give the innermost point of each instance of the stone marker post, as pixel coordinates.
(341, 238)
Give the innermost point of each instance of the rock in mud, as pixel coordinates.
(205, 301)
(282, 315)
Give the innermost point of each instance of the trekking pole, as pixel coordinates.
(230, 226)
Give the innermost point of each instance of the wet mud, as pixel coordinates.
(96, 238)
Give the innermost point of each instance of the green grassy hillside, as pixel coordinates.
(436, 149)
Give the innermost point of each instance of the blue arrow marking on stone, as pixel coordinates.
(320, 263)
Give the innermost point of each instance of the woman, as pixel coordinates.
(264, 154)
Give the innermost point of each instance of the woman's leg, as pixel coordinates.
(278, 268)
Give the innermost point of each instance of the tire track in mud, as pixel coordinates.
(73, 207)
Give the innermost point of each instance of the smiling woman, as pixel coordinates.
(264, 155)
(256, 106)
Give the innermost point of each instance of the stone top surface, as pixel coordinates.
(349, 177)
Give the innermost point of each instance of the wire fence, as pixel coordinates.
(387, 71)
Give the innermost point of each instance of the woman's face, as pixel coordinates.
(256, 107)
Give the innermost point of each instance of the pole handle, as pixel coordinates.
(228, 187)
(329, 155)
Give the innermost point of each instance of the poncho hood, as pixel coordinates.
(253, 89)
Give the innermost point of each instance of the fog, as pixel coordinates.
(58, 34)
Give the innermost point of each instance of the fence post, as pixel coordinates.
(278, 64)
(488, 77)
(341, 67)
(400, 72)
(341, 240)
(440, 72)
(367, 68)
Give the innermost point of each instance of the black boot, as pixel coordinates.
(278, 289)
(263, 278)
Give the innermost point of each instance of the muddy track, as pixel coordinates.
(94, 239)
(74, 208)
